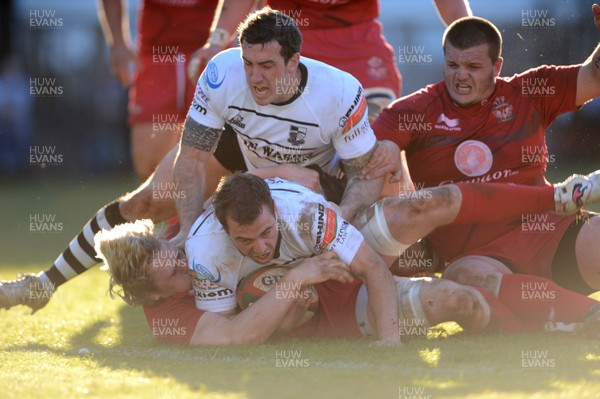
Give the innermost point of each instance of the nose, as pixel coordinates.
(260, 247)
(255, 76)
(461, 73)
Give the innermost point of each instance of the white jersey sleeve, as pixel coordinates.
(333, 233)
(355, 136)
(310, 225)
(212, 90)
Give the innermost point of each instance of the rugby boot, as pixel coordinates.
(27, 290)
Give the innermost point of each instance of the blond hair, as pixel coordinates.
(126, 250)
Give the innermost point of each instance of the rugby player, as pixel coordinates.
(253, 223)
(302, 112)
(169, 31)
(480, 127)
(330, 31)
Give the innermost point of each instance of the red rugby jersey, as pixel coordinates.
(499, 140)
(174, 320)
(327, 14)
(433, 130)
(182, 23)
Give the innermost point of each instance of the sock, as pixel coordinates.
(537, 298)
(504, 320)
(80, 255)
(494, 202)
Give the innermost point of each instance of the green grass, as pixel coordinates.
(40, 354)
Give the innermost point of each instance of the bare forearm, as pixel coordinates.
(190, 180)
(254, 324)
(230, 13)
(381, 289)
(359, 193)
(382, 296)
(189, 173)
(114, 21)
(451, 10)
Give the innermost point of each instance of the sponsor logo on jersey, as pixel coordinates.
(212, 76)
(376, 69)
(357, 131)
(341, 235)
(445, 123)
(490, 177)
(355, 113)
(297, 135)
(198, 107)
(237, 120)
(201, 97)
(473, 158)
(326, 227)
(502, 110)
(205, 273)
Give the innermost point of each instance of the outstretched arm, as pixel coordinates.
(258, 322)
(198, 142)
(381, 289)
(588, 79)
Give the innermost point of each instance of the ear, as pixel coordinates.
(293, 63)
(498, 66)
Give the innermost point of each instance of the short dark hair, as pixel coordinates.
(468, 32)
(241, 197)
(266, 25)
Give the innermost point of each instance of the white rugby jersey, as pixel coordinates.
(327, 121)
(307, 224)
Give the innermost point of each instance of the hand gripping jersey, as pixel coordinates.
(307, 223)
(328, 119)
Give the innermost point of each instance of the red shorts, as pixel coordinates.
(161, 91)
(360, 50)
(529, 247)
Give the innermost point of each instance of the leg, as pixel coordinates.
(154, 199)
(392, 224)
(479, 271)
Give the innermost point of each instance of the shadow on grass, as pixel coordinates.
(456, 366)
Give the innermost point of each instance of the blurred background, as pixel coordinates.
(57, 95)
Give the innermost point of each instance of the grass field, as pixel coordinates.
(44, 355)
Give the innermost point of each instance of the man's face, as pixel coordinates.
(258, 239)
(470, 74)
(168, 270)
(270, 79)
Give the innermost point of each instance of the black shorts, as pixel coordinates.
(564, 265)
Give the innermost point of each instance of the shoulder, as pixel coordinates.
(223, 70)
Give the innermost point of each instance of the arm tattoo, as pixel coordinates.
(353, 166)
(199, 136)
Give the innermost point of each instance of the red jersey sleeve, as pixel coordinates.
(552, 88)
(174, 320)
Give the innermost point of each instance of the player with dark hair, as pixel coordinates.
(331, 32)
(485, 128)
(296, 112)
(245, 230)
